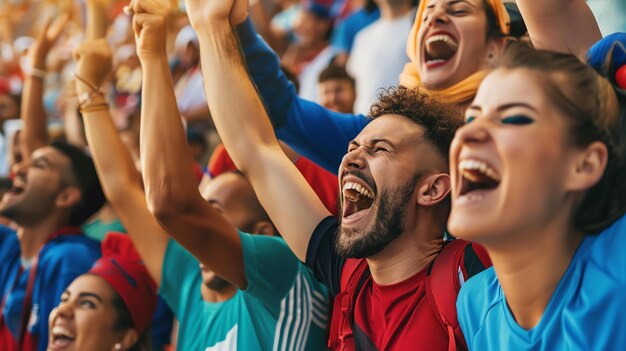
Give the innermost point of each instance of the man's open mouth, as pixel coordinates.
(439, 48)
(357, 198)
(477, 175)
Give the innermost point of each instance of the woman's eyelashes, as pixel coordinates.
(469, 119)
(517, 120)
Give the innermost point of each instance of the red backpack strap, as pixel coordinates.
(352, 273)
(442, 289)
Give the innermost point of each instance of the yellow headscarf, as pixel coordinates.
(466, 89)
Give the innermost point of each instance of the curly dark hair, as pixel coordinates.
(439, 120)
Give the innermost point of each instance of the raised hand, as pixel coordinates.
(150, 22)
(202, 12)
(93, 63)
(47, 37)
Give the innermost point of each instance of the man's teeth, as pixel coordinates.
(444, 38)
(359, 188)
(475, 165)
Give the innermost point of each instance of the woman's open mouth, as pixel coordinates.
(61, 338)
(477, 179)
(439, 48)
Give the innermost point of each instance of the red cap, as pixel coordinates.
(123, 269)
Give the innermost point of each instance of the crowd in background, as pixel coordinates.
(105, 79)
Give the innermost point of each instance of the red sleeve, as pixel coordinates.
(220, 162)
(324, 183)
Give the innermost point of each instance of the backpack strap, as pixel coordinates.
(442, 289)
(353, 273)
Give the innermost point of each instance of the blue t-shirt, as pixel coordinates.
(587, 310)
(345, 32)
(283, 308)
(60, 261)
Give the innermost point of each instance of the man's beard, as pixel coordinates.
(387, 226)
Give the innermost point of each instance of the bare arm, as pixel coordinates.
(120, 180)
(560, 25)
(96, 19)
(245, 129)
(166, 162)
(35, 132)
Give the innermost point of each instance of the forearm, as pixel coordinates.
(115, 166)
(248, 135)
(96, 20)
(166, 160)
(122, 185)
(550, 26)
(231, 93)
(35, 132)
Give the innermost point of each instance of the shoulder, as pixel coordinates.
(73, 252)
(8, 238)
(477, 298)
(607, 248)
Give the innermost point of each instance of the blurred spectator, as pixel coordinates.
(346, 30)
(312, 53)
(379, 52)
(336, 89)
(198, 146)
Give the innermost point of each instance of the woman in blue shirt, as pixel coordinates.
(539, 179)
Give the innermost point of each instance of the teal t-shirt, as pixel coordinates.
(98, 229)
(283, 308)
(587, 310)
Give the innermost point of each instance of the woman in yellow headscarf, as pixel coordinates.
(451, 46)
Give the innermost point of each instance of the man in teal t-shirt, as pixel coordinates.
(283, 308)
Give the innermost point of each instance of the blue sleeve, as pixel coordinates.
(321, 256)
(271, 268)
(311, 130)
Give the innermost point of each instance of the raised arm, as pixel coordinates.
(119, 177)
(313, 131)
(35, 131)
(170, 186)
(245, 129)
(560, 25)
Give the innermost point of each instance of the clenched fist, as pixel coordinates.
(93, 63)
(150, 22)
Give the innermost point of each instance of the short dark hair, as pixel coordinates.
(334, 72)
(439, 120)
(84, 172)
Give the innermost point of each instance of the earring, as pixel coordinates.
(118, 346)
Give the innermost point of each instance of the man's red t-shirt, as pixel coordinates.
(391, 317)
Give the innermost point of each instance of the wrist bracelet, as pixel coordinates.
(93, 108)
(37, 73)
(86, 97)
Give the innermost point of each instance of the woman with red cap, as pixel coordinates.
(108, 308)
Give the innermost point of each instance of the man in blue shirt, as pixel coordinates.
(52, 195)
(54, 192)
